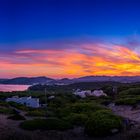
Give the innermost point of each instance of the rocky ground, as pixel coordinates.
(126, 112)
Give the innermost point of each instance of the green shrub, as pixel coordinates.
(131, 91)
(76, 119)
(102, 122)
(130, 96)
(85, 107)
(40, 113)
(78, 108)
(16, 117)
(2, 103)
(46, 124)
(58, 101)
(6, 111)
(127, 101)
(19, 106)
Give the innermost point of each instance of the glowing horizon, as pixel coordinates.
(83, 59)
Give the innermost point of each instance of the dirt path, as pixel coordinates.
(126, 112)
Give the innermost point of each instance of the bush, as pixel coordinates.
(36, 113)
(6, 111)
(45, 124)
(85, 107)
(78, 108)
(77, 119)
(127, 101)
(62, 99)
(131, 91)
(129, 97)
(19, 106)
(102, 122)
(2, 103)
(17, 117)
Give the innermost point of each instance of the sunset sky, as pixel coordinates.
(69, 38)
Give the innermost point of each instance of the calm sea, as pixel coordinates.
(13, 87)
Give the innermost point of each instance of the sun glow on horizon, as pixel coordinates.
(85, 59)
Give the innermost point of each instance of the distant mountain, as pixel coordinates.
(121, 79)
(2, 80)
(27, 81)
(66, 81)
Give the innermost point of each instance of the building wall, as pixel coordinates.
(30, 102)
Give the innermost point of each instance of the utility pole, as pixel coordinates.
(45, 97)
(115, 91)
(46, 101)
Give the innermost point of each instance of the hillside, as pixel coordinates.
(66, 81)
(27, 81)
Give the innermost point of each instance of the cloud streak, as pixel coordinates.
(77, 59)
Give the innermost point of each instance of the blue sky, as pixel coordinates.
(69, 38)
(29, 20)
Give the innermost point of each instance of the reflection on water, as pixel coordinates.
(13, 87)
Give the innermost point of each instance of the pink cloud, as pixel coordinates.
(78, 59)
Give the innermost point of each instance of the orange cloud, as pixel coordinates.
(86, 59)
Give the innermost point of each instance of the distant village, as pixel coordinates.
(34, 102)
(85, 93)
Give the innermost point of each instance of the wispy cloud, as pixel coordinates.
(73, 59)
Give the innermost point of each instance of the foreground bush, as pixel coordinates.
(77, 119)
(78, 108)
(130, 96)
(131, 91)
(85, 107)
(102, 122)
(16, 117)
(19, 106)
(36, 113)
(3, 103)
(46, 124)
(127, 101)
(6, 111)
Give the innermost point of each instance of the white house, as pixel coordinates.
(98, 93)
(86, 93)
(28, 101)
(51, 97)
(83, 93)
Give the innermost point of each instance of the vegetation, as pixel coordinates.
(66, 111)
(70, 87)
(77, 108)
(4, 110)
(4, 104)
(46, 124)
(131, 91)
(102, 122)
(127, 101)
(19, 106)
(37, 113)
(77, 119)
(130, 96)
(16, 117)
